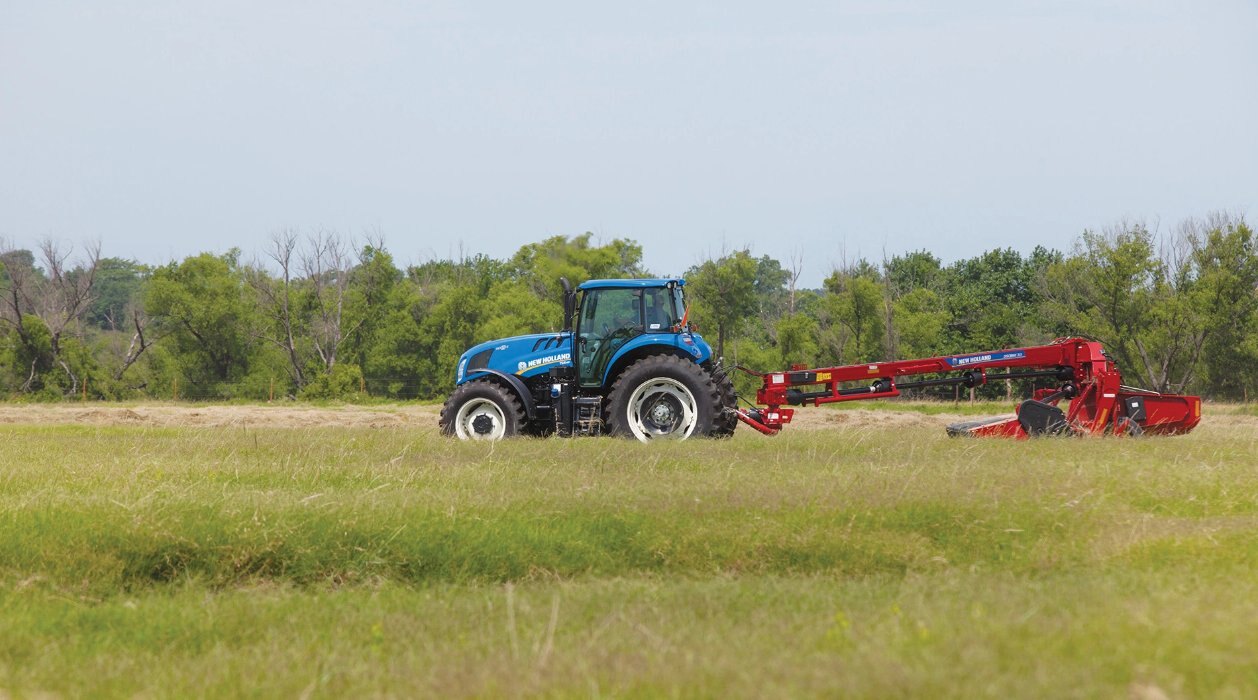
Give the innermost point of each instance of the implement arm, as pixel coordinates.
(1084, 372)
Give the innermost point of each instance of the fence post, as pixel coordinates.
(271, 399)
(174, 388)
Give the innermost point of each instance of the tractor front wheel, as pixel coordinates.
(663, 397)
(482, 410)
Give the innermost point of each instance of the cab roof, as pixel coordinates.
(632, 284)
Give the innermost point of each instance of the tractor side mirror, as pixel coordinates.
(569, 304)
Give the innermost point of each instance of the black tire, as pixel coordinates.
(727, 403)
(469, 413)
(666, 389)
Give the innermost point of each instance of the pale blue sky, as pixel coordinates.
(167, 128)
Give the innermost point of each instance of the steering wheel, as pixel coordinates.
(625, 331)
(607, 344)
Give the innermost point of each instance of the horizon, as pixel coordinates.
(255, 257)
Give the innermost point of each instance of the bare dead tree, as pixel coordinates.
(305, 301)
(67, 295)
(834, 334)
(325, 262)
(58, 297)
(1173, 365)
(889, 297)
(796, 262)
(17, 285)
(139, 343)
(276, 297)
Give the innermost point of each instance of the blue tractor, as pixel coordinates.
(626, 363)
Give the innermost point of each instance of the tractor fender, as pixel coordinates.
(516, 384)
(654, 344)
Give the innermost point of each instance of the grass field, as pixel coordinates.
(861, 553)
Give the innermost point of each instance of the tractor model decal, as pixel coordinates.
(986, 357)
(523, 366)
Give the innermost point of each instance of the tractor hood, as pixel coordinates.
(523, 355)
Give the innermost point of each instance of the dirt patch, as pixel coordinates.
(822, 419)
(425, 416)
(123, 416)
(219, 416)
(394, 416)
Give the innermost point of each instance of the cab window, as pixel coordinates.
(658, 310)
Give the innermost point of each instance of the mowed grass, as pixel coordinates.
(866, 559)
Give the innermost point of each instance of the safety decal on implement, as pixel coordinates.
(986, 357)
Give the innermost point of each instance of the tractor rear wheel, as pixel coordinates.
(663, 397)
(726, 402)
(482, 410)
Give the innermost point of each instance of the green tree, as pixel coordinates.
(724, 292)
(200, 303)
(402, 361)
(1225, 291)
(921, 322)
(1116, 289)
(117, 289)
(916, 270)
(772, 296)
(993, 298)
(368, 311)
(855, 298)
(452, 326)
(540, 265)
(797, 340)
(907, 275)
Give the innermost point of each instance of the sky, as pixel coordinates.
(822, 131)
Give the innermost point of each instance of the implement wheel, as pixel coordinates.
(663, 397)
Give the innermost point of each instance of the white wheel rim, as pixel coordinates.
(662, 408)
(474, 414)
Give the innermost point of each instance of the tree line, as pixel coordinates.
(323, 317)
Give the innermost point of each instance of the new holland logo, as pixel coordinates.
(523, 366)
(986, 357)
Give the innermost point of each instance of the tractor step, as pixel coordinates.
(589, 415)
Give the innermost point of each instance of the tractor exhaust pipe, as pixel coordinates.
(569, 304)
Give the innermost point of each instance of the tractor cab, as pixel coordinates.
(612, 313)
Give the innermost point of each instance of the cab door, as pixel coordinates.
(609, 318)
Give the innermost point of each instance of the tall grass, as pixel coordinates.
(860, 561)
